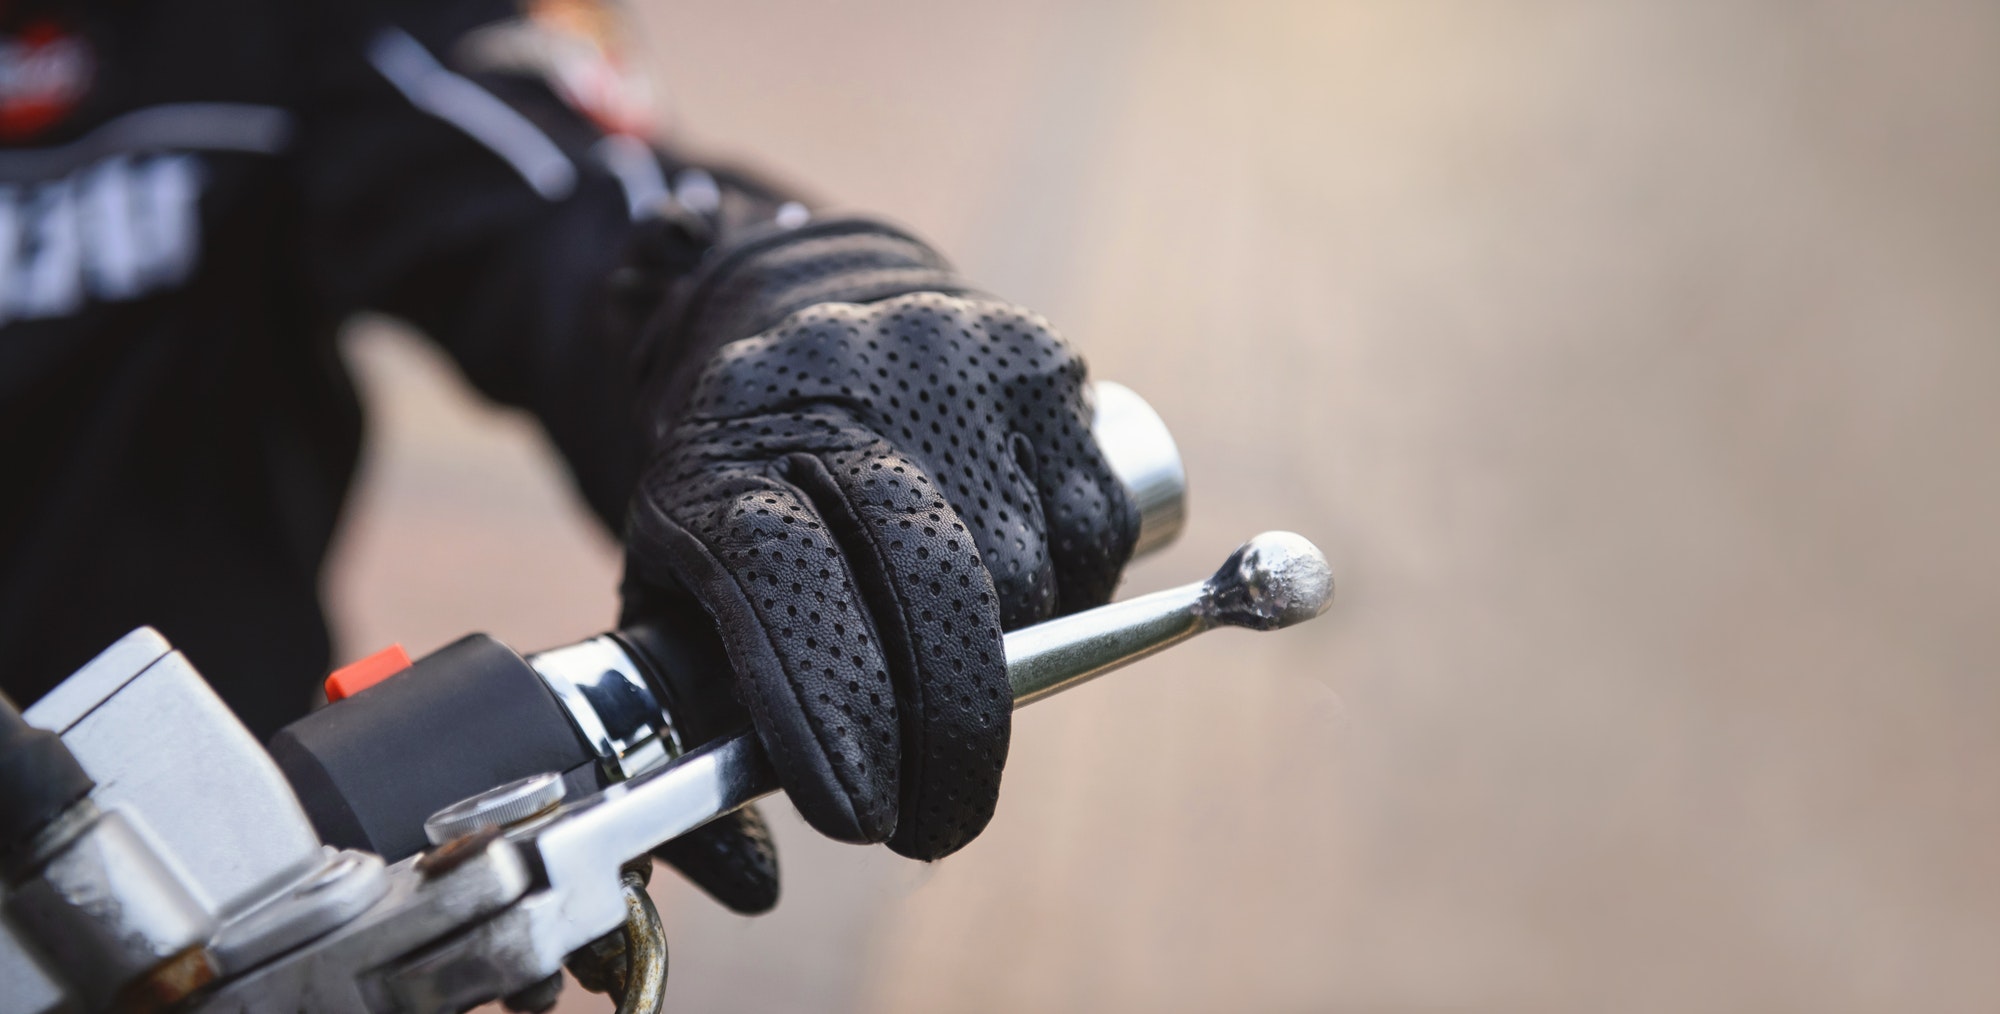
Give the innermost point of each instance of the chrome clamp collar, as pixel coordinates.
(611, 703)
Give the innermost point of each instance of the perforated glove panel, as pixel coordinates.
(864, 494)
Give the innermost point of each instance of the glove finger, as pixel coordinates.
(732, 858)
(934, 606)
(809, 666)
(1091, 522)
(949, 426)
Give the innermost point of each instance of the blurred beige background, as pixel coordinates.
(1636, 362)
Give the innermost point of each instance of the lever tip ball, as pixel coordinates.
(1274, 580)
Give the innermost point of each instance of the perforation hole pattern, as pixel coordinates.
(884, 487)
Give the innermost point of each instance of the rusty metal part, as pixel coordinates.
(601, 965)
(106, 911)
(449, 856)
(169, 983)
(645, 977)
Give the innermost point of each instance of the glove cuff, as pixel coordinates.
(770, 274)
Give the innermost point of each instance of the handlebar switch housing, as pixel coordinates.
(471, 715)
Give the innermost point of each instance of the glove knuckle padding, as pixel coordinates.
(988, 399)
(876, 491)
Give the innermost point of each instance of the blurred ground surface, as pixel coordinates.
(1636, 363)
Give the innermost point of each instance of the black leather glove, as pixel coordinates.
(731, 858)
(884, 473)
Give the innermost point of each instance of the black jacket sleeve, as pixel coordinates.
(453, 178)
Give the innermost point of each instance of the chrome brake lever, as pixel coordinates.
(1275, 580)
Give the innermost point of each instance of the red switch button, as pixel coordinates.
(355, 677)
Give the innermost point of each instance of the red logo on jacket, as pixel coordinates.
(43, 72)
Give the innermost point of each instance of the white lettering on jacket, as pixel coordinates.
(115, 230)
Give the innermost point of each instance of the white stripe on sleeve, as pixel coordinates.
(433, 88)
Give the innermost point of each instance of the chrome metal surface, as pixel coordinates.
(503, 953)
(612, 706)
(499, 806)
(104, 909)
(1274, 580)
(1141, 451)
(1086, 645)
(355, 969)
(343, 887)
(581, 849)
(167, 753)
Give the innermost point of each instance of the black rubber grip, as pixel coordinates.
(468, 717)
(684, 659)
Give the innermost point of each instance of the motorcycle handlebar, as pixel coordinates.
(372, 768)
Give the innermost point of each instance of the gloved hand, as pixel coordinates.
(885, 472)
